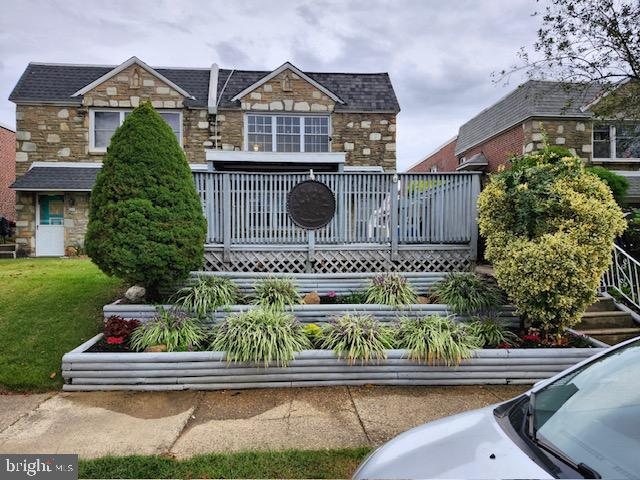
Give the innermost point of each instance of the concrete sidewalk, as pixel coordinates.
(183, 424)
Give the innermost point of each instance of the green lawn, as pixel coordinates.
(287, 464)
(47, 307)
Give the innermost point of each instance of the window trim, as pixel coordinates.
(122, 111)
(274, 138)
(613, 154)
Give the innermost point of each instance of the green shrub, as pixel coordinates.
(260, 336)
(436, 339)
(175, 330)
(145, 219)
(206, 295)
(467, 293)
(390, 289)
(276, 293)
(549, 229)
(490, 333)
(358, 337)
(630, 239)
(617, 183)
(314, 334)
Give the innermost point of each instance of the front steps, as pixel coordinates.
(607, 322)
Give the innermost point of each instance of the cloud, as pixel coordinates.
(440, 55)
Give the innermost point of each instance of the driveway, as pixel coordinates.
(183, 424)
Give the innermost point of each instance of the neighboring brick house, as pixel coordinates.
(237, 120)
(7, 171)
(520, 121)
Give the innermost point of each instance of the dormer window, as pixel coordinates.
(287, 133)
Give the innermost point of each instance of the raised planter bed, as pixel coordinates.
(312, 313)
(84, 371)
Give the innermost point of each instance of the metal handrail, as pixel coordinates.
(623, 276)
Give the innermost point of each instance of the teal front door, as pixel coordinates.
(50, 226)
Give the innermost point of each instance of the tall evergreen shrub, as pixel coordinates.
(145, 219)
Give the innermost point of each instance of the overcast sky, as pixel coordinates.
(440, 54)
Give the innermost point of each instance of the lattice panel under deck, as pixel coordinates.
(257, 261)
(340, 261)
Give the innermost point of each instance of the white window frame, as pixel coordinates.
(122, 111)
(613, 154)
(274, 140)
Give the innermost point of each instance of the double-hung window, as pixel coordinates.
(619, 140)
(103, 124)
(287, 133)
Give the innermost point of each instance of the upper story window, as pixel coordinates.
(434, 169)
(103, 124)
(287, 133)
(616, 140)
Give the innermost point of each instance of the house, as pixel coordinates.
(232, 120)
(7, 171)
(520, 121)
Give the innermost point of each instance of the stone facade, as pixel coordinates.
(367, 138)
(60, 133)
(47, 133)
(76, 217)
(574, 135)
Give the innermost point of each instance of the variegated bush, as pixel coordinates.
(550, 227)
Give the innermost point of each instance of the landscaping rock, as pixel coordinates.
(156, 349)
(312, 298)
(135, 294)
(423, 300)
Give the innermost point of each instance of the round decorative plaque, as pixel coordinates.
(311, 204)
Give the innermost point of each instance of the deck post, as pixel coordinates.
(311, 250)
(393, 220)
(475, 192)
(226, 215)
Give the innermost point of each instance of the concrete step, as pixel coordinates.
(606, 319)
(603, 305)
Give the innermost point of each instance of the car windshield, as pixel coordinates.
(592, 415)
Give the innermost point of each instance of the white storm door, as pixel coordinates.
(50, 226)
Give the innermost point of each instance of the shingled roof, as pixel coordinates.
(534, 98)
(57, 179)
(56, 83)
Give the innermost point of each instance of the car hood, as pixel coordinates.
(460, 446)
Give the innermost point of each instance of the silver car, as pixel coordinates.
(581, 423)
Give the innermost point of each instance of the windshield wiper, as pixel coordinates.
(582, 468)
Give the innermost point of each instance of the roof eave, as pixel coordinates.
(280, 69)
(133, 60)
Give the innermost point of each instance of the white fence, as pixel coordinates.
(247, 212)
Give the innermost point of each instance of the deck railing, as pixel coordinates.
(380, 210)
(370, 208)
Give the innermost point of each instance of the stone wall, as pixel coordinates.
(76, 217)
(367, 138)
(574, 135)
(130, 87)
(52, 134)
(287, 92)
(26, 222)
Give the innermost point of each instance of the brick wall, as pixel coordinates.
(500, 148)
(7, 173)
(444, 159)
